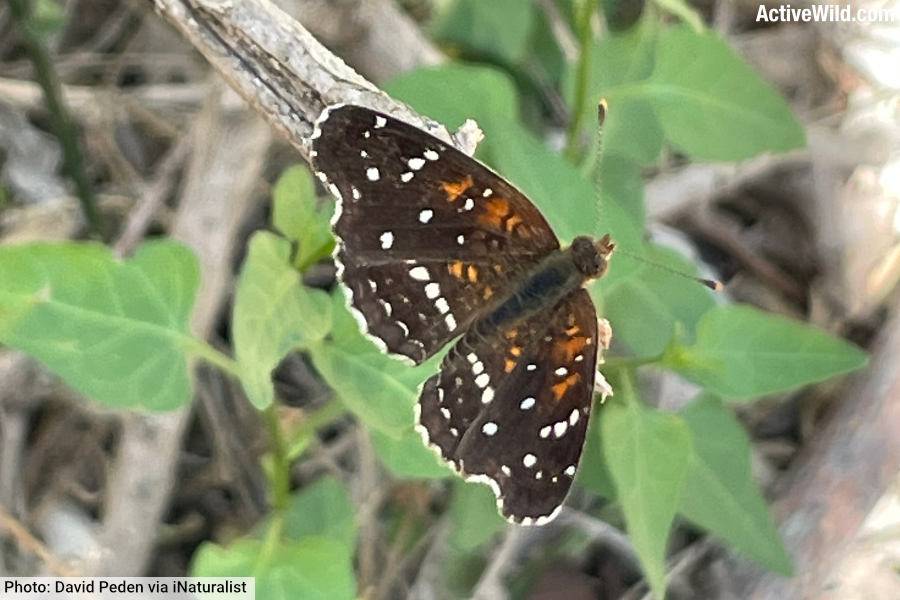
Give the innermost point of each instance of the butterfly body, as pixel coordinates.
(434, 248)
(545, 285)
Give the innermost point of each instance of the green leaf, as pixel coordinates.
(662, 300)
(408, 457)
(301, 217)
(647, 452)
(473, 512)
(115, 331)
(273, 314)
(378, 389)
(322, 509)
(498, 29)
(313, 568)
(479, 93)
(712, 105)
(593, 472)
(742, 352)
(720, 494)
(619, 178)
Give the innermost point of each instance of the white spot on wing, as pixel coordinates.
(529, 460)
(561, 371)
(487, 395)
(460, 239)
(419, 273)
(416, 163)
(505, 470)
(387, 240)
(559, 428)
(431, 154)
(482, 380)
(469, 204)
(450, 320)
(380, 121)
(454, 431)
(404, 327)
(372, 174)
(487, 192)
(574, 416)
(570, 470)
(426, 215)
(545, 431)
(406, 177)
(445, 411)
(527, 403)
(531, 367)
(355, 193)
(432, 290)
(472, 357)
(489, 428)
(442, 306)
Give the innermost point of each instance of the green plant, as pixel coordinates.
(113, 330)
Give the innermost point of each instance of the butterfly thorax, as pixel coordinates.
(549, 281)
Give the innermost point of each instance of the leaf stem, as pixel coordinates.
(218, 359)
(60, 119)
(280, 485)
(582, 75)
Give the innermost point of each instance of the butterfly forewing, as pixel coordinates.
(511, 408)
(427, 236)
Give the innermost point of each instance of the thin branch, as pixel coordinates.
(60, 120)
(278, 66)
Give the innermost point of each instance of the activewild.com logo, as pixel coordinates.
(825, 13)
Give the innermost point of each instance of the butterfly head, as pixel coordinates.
(592, 258)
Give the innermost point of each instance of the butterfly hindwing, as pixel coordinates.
(427, 236)
(511, 409)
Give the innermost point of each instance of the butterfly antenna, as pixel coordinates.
(713, 284)
(602, 108)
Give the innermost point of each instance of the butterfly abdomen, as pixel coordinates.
(541, 288)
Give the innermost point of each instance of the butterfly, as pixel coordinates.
(433, 246)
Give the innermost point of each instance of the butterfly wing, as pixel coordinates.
(427, 236)
(511, 409)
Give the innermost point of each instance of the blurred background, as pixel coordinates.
(113, 127)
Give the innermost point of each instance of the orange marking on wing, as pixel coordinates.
(488, 292)
(509, 365)
(472, 273)
(456, 269)
(516, 350)
(455, 189)
(566, 351)
(494, 210)
(560, 389)
(512, 222)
